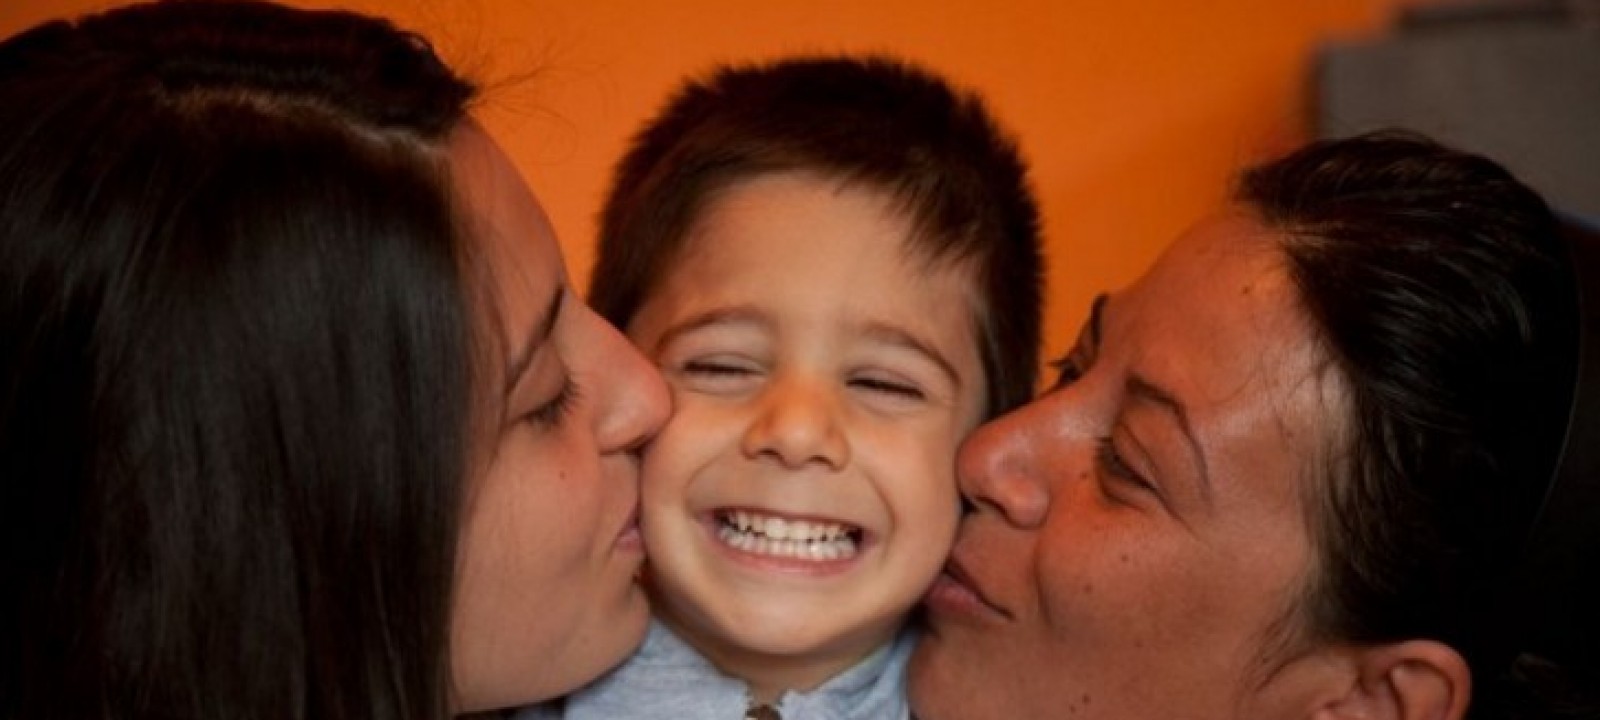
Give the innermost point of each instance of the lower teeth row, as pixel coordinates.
(838, 549)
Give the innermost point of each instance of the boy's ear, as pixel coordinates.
(1411, 680)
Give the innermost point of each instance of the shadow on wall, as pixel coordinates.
(1516, 80)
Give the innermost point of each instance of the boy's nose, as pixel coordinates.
(797, 424)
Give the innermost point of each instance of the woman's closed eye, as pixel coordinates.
(550, 413)
(1113, 466)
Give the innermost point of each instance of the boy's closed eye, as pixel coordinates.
(715, 367)
(719, 374)
(888, 385)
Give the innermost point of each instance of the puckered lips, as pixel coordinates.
(957, 594)
(807, 544)
(629, 538)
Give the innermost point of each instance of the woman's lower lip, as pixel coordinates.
(950, 597)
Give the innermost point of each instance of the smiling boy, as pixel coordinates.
(835, 264)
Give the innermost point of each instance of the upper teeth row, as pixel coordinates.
(776, 528)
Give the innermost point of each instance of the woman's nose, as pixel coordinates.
(633, 400)
(998, 467)
(797, 423)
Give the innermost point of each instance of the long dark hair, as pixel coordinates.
(1445, 293)
(234, 366)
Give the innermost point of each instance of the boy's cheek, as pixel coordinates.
(691, 439)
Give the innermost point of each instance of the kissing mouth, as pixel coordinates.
(760, 533)
(629, 536)
(957, 574)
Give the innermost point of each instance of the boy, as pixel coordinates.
(835, 262)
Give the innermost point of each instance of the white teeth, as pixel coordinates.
(778, 537)
(798, 530)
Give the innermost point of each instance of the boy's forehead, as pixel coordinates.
(791, 243)
(923, 244)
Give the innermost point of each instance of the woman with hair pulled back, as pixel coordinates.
(299, 416)
(1336, 455)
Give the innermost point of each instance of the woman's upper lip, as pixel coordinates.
(957, 572)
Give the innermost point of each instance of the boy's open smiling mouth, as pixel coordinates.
(764, 534)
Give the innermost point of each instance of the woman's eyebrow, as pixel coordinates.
(518, 363)
(1141, 389)
(1097, 309)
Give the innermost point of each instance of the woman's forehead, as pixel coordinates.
(1222, 288)
(1218, 324)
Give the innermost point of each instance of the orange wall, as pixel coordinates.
(1134, 114)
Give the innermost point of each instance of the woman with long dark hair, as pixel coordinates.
(299, 416)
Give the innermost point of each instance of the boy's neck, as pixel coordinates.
(769, 675)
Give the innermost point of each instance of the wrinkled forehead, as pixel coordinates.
(1219, 321)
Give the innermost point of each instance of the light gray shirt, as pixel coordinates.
(667, 680)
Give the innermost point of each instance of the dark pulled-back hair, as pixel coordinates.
(884, 124)
(234, 366)
(1444, 295)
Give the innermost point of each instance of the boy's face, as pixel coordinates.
(802, 497)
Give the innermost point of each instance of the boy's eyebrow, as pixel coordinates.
(893, 335)
(716, 316)
(879, 331)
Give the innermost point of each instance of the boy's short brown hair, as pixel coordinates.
(879, 122)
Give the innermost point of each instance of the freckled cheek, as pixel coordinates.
(1098, 585)
(1160, 605)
